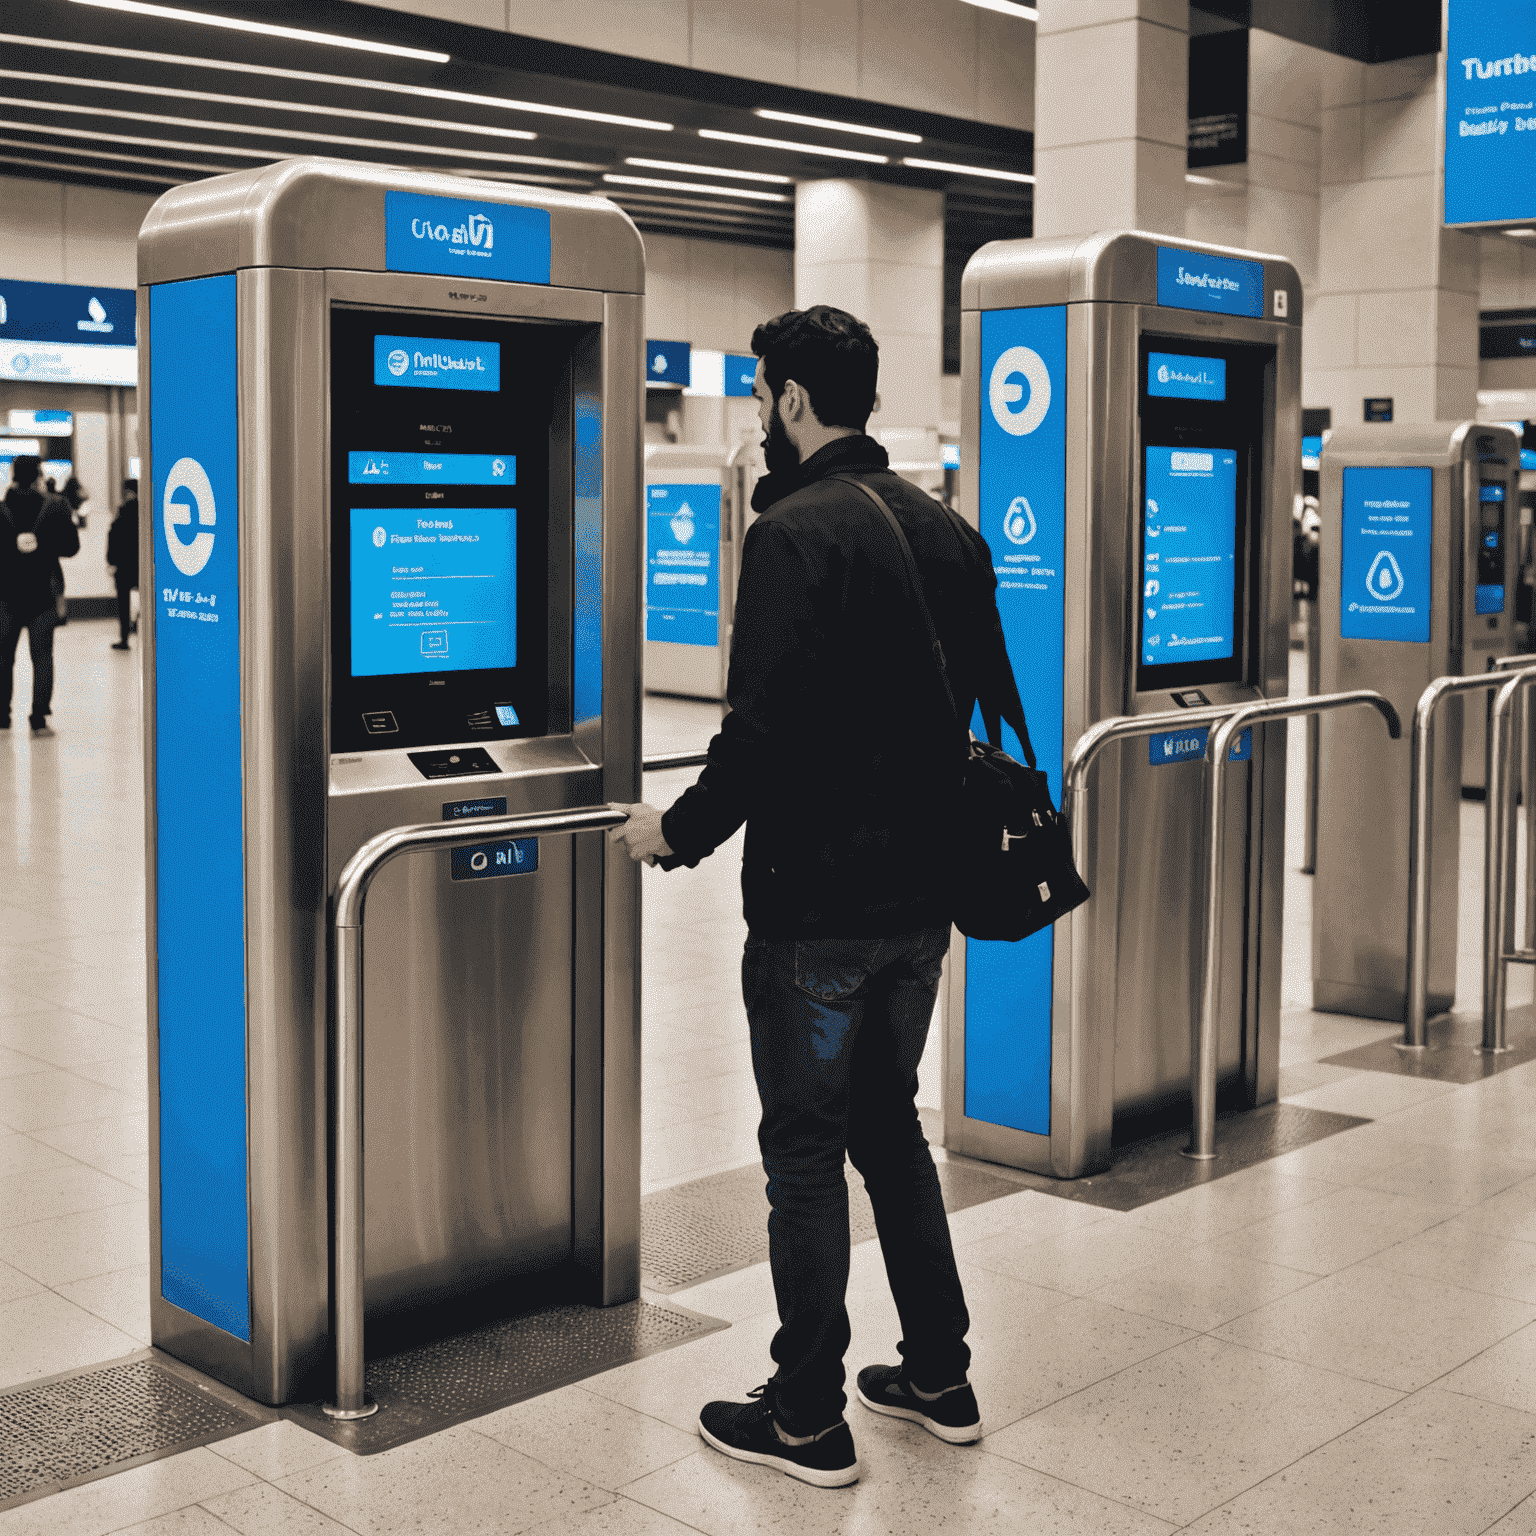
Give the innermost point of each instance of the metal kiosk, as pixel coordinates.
(395, 457)
(1131, 438)
(1415, 585)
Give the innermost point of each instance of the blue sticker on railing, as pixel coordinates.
(461, 810)
(199, 846)
(1189, 745)
(458, 237)
(1199, 280)
(487, 861)
(1021, 467)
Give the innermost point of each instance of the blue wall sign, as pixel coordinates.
(63, 333)
(1198, 280)
(1021, 466)
(1490, 112)
(434, 362)
(457, 237)
(1388, 533)
(1173, 375)
(669, 362)
(431, 469)
(682, 564)
(740, 372)
(460, 810)
(199, 845)
(487, 861)
(1189, 746)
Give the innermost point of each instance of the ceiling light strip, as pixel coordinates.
(696, 186)
(59, 130)
(455, 152)
(968, 170)
(266, 29)
(315, 77)
(707, 170)
(486, 173)
(1008, 8)
(107, 154)
(270, 104)
(103, 171)
(835, 127)
(794, 147)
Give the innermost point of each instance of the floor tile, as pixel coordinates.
(1520, 1521)
(277, 1450)
(1079, 1261)
(1468, 1177)
(1180, 1433)
(120, 1298)
(36, 1195)
(1465, 1257)
(61, 1038)
(14, 1284)
(44, 1334)
(1399, 1330)
(1210, 1210)
(457, 1483)
(1431, 1465)
(262, 1510)
(623, 1517)
(41, 1100)
(194, 1520)
(76, 1247)
(1201, 1289)
(26, 1154)
(101, 1143)
(1504, 1373)
(141, 1493)
(746, 1293)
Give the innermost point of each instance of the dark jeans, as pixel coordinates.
(125, 609)
(40, 643)
(838, 1028)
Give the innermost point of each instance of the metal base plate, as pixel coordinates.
(434, 1386)
(89, 1423)
(1451, 1053)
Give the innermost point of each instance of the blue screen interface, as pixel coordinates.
(1177, 377)
(432, 469)
(1189, 555)
(435, 362)
(433, 590)
(1385, 553)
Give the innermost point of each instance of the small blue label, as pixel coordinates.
(740, 374)
(670, 362)
(1172, 375)
(1491, 490)
(459, 810)
(436, 362)
(456, 237)
(432, 468)
(1187, 746)
(1384, 572)
(1311, 452)
(1528, 458)
(505, 715)
(1197, 280)
(486, 861)
(1489, 599)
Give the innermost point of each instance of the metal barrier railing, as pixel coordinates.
(1499, 950)
(1202, 1145)
(346, 990)
(663, 760)
(1420, 841)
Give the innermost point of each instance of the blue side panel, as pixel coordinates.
(199, 853)
(682, 564)
(1387, 539)
(587, 636)
(1023, 468)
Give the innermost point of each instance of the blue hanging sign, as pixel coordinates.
(1387, 531)
(669, 362)
(740, 374)
(65, 333)
(1490, 112)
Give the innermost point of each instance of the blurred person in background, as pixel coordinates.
(36, 532)
(79, 500)
(123, 559)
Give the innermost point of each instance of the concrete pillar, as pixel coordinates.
(1111, 104)
(1394, 309)
(878, 252)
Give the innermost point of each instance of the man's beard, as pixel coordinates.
(779, 453)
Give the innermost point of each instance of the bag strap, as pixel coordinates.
(914, 580)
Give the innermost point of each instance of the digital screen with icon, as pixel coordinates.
(1189, 555)
(436, 362)
(433, 590)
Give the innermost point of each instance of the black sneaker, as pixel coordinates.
(747, 1432)
(952, 1415)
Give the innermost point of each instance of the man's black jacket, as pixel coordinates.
(840, 751)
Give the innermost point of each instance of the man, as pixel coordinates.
(123, 559)
(843, 756)
(36, 531)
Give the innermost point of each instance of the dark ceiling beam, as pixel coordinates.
(1373, 31)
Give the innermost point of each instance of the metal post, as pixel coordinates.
(346, 972)
(1203, 1064)
(1498, 928)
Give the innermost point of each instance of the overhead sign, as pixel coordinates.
(457, 237)
(1218, 98)
(1388, 523)
(1490, 112)
(668, 362)
(682, 580)
(62, 333)
(740, 372)
(41, 423)
(1199, 280)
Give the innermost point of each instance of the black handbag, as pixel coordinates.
(1012, 872)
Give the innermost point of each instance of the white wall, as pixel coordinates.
(931, 55)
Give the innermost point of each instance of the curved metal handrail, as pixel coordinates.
(664, 760)
(1498, 914)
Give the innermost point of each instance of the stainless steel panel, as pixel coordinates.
(315, 213)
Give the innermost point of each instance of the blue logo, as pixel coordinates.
(1198, 280)
(436, 362)
(1019, 378)
(455, 237)
(1171, 375)
(517, 856)
(671, 362)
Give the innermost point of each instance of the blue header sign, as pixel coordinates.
(1388, 532)
(668, 362)
(1490, 112)
(432, 362)
(1172, 375)
(199, 845)
(1198, 280)
(1022, 471)
(431, 469)
(457, 237)
(740, 373)
(61, 333)
(682, 564)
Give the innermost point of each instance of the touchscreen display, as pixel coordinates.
(433, 591)
(1189, 555)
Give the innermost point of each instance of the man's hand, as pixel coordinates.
(641, 834)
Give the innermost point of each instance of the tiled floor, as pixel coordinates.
(1340, 1340)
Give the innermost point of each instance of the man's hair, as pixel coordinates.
(831, 355)
(25, 469)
